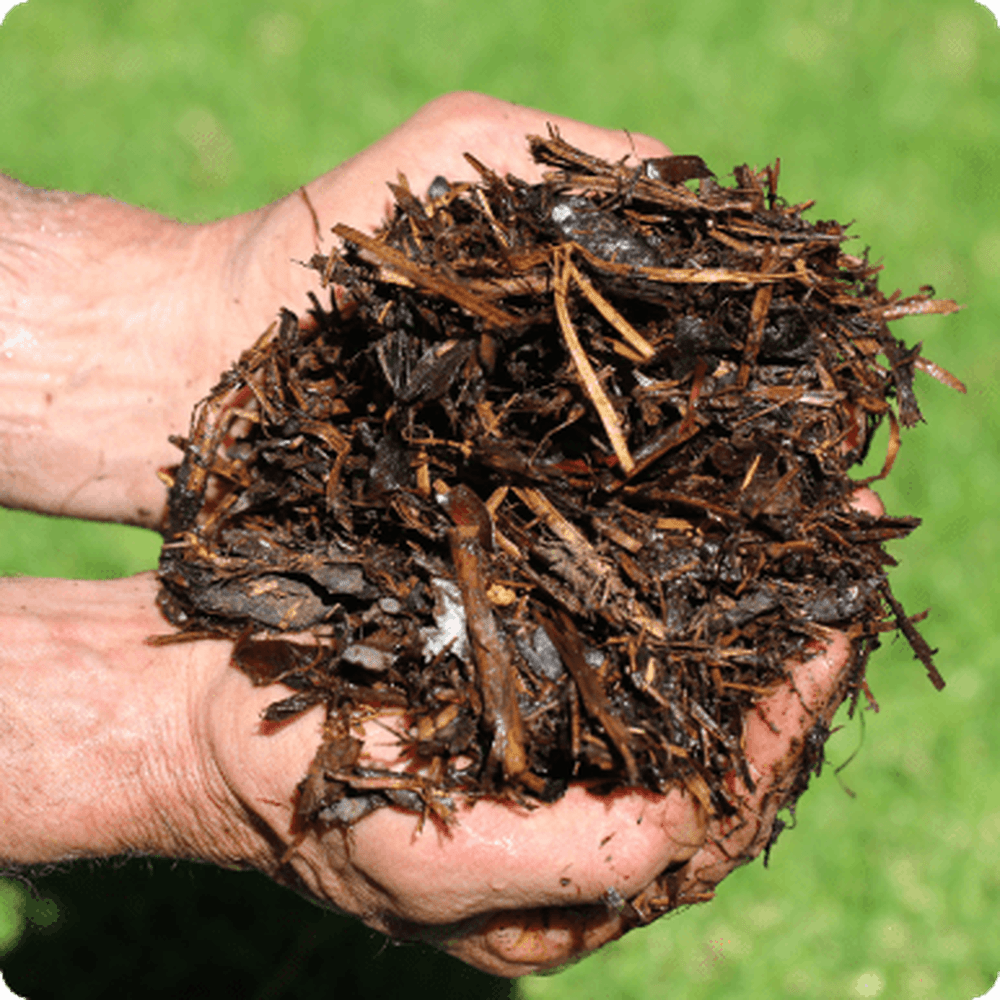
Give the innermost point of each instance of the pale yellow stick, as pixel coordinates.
(610, 313)
(587, 376)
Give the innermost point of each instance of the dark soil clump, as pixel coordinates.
(559, 477)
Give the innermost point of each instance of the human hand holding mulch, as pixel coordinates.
(587, 748)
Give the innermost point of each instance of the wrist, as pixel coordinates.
(99, 730)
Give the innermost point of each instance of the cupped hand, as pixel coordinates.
(511, 890)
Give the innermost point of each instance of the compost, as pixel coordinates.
(558, 481)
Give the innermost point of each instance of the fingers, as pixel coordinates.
(776, 727)
(488, 127)
(537, 874)
(260, 249)
(522, 942)
(778, 732)
(778, 735)
(433, 142)
(498, 857)
(868, 502)
(495, 856)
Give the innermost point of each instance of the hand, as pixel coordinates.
(120, 747)
(160, 750)
(511, 891)
(116, 321)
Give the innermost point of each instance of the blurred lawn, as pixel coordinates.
(885, 111)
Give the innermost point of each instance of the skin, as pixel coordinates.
(113, 322)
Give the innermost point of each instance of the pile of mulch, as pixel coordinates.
(559, 478)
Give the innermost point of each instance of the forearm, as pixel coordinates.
(97, 745)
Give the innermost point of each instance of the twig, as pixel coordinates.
(584, 370)
(567, 640)
(918, 644)
(608, 311)
(494, 667)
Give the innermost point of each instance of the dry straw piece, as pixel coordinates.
(558, 481)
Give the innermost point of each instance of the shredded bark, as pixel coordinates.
(558, 478)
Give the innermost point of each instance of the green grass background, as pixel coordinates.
(884, 111)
